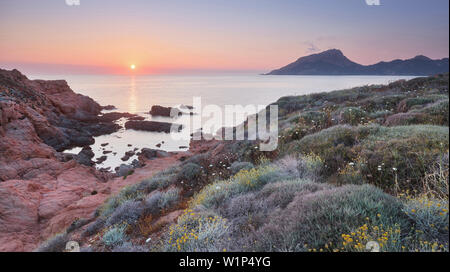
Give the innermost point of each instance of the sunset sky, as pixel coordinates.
(174, 36)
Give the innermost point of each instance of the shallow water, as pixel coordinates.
(136, 94)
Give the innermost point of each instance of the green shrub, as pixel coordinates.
(352, 116)
(190, 171)
(408, 103)
(160, 180)
(131, 192)
(314, 220)
(238, 166)
(315, 118)
(94, 227)
(128, 212)
(399, 157)
(380, 114)
(332, 145)
(196, 232)
(114, 236)
(408, 118)
(383, 103)
(439, 111)
(244, 181)
(169, 198)
(430, 217)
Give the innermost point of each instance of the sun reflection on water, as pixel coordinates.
(132, 98)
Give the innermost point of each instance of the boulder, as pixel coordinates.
(165, 111)
(124, 170)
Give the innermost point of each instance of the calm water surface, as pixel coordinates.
(136, 94)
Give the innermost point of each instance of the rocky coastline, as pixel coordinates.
(42, 189)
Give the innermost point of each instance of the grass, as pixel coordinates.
(353, 166)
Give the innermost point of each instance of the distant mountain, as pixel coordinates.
(333, 62)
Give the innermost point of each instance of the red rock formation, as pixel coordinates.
(40, 192)
(33, 210)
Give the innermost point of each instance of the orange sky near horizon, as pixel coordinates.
(171, 36)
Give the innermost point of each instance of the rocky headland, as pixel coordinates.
(42, 189)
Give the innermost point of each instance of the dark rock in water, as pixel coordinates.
(114, 116)
(107, 151)
(124, 170)
(105, 169)
(153, 126)
(129, 145)
(109, 107)
(85, 156)
(87, 151)
(103, 128)
(101, 159)
(127, 155)
(164, 111)
(158, 145)
(149, 153)
(104, 144)
(183, 147)
(114, 153)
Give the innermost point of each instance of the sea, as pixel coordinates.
(138, 93)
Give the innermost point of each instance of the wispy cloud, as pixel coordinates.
(311, 47)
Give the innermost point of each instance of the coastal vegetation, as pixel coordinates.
(353, 167)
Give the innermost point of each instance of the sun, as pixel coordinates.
(133, 66)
